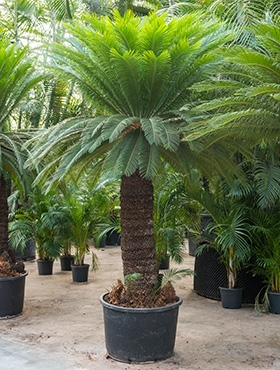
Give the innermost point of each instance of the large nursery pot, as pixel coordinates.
(80, 273)
(140, 334)
(45, 267)
(210, 274)
(12, 295)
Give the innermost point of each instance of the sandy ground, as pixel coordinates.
(65, 319)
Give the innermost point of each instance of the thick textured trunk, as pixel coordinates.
(3, 217)
(137, 242)
(5, 252)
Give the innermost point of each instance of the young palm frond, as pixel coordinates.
(173, 275)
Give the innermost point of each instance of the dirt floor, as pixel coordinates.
(65, 319)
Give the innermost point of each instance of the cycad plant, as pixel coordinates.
(138, 71)
(17, 77)
(243, 14)
(247, 91)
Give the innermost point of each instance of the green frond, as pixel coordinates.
(260, 62)
(113, 160)
(149, 160)
(18, 76)
(115, 125)
(127, 69)
(151, 128)
(173, 275)
(130, 151)
(268, 188)
(269, 36)
(273, 89)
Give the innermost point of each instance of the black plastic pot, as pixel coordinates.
(45, 267)
(274, 302)
(165, 262)
(28, 253)
(80, 273)
(66, 262)
(113, 238)
(12, 296)
(210, 274)
(205, 219)
(231, 298)
(140, 334)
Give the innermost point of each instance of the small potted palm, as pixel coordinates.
(231, 238)
(267, 257)
(174, 211)
(66, 258)
(36, 221)
(84, 211)
(48, 247)
(60, 224)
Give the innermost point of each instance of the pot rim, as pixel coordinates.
(225, 288)
(14, 277)
(178, 303)
(80, 266)
(273, 293)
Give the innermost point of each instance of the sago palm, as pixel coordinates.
(248, 91)
(138, 71)
(17, 77)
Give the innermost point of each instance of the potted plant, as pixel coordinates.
(267, 256)
(37, 221)
(60, 221)
(66, 258)
(174, 211)
(231, 238)
(139, 78)
(85, 210)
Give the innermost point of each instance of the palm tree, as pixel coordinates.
(138, 71)
(17, 78)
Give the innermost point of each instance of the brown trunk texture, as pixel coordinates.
(137, 230)
(8, 264)
(3, 217)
